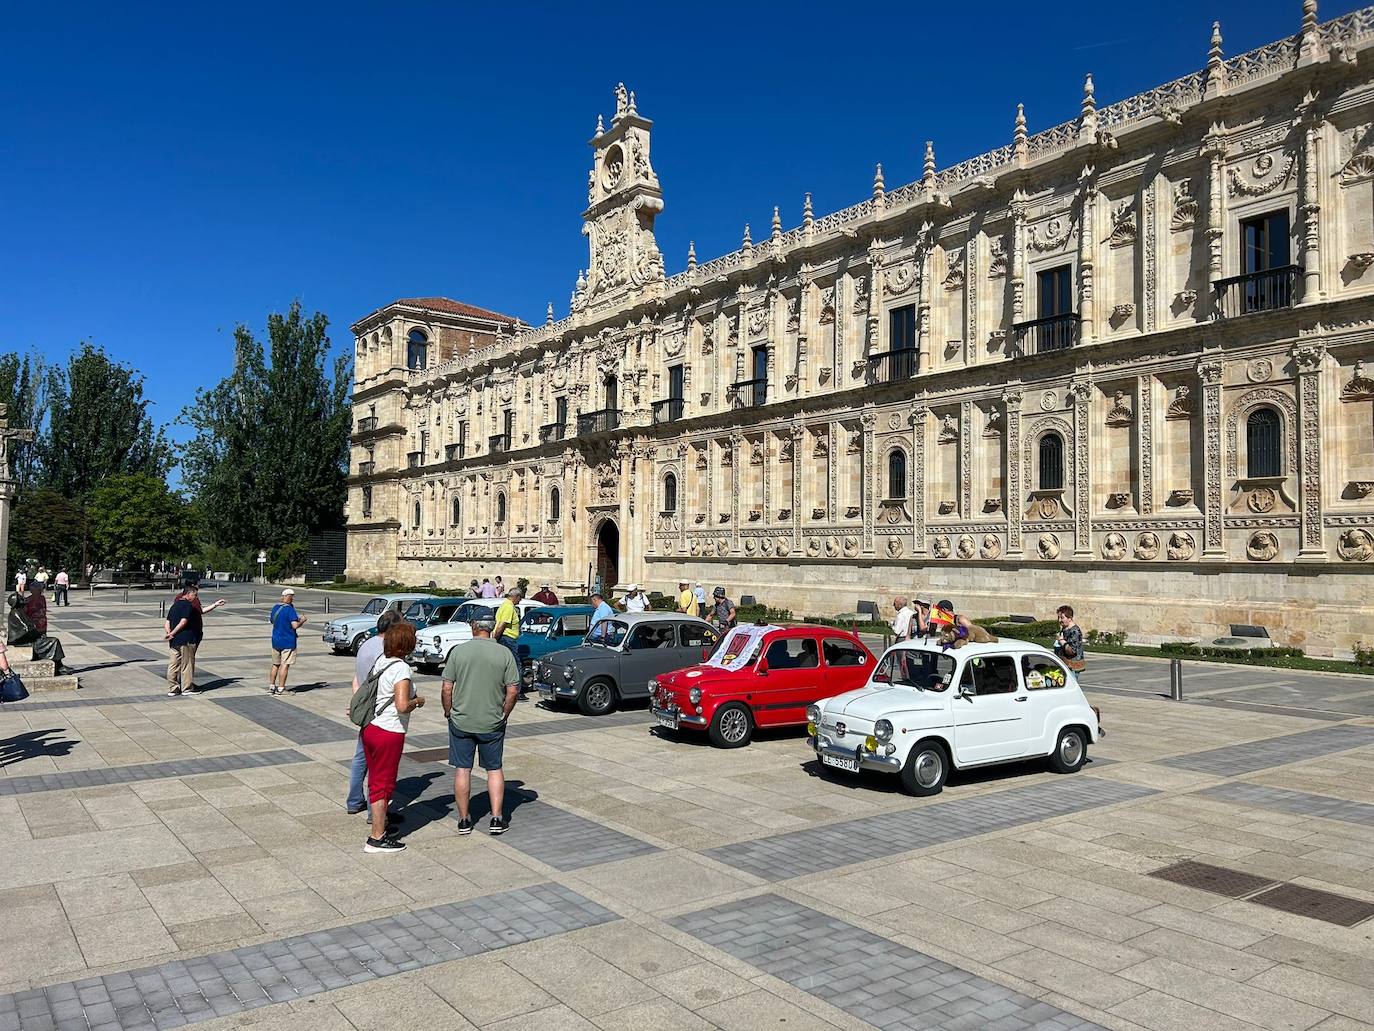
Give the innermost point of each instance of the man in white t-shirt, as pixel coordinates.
(901, 622)
(635, 599)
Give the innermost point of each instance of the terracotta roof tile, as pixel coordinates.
(452, 307)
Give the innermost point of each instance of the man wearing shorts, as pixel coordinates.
(481, 685)
(285, 622)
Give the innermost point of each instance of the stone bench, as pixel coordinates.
(39, 675)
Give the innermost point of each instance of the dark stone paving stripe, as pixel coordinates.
(227, 983)
(632, 718)
(1234, 760)
(798, 853)
(95, 636)
(867, 976)
(25, 785)
(1299, 803)
(36, 703)
(291, 722)
(134, 652)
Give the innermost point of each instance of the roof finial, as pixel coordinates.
(878, 187)
(600, 126)
(777, 224)
(1018, 136)
(1309, 16)
(1214, 51)
(928, 166)
(581, 281)
(691, 254)
(748, 242)
(1214, 80)
(633, 110)
(548, 317)
(1089, 101)
(807, 217)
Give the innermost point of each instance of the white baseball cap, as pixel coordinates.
(287, 591)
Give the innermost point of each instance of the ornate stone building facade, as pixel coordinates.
(1127, 362)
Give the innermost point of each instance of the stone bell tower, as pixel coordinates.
(623, 198)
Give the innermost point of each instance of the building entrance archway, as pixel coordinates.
(608, 554)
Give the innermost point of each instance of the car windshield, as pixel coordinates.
(923, 670)
(375, 607)
(467, 613)
(609, 633)
(417, 610)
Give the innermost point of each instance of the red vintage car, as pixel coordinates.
(760, 676)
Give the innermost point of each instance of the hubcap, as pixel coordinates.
(733, 725)
(1071, 749)
(598, 696)
(928, 767)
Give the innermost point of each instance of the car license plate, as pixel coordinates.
(850, 765)
(666, 720)
(545, 691)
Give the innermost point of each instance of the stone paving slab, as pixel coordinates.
(1299, 803)
(27, 785)
(291, 722)
(869, 977)
(33, 704)
(798, 853)
(566, 841)
(540, 728)
(1251, 756)
(227, 983)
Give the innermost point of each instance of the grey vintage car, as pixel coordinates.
(619, 656)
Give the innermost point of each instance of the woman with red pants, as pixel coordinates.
(385, 736)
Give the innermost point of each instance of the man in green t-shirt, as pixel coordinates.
(481, 684)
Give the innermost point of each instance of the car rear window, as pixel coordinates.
(1042, 673)
(990, 674)
(694, 635)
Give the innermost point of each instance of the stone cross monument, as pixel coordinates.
(8, 437)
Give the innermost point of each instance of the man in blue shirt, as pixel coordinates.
(601, 612)
(285, 622)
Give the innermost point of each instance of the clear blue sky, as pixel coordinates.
(168, 171)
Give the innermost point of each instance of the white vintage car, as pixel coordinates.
(926, 710)
(434, 642)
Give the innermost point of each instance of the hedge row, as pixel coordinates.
(1237, 654)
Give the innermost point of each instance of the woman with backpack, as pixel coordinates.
(393, 698)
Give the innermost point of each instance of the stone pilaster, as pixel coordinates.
(918, 479)
(1310, 208)
(868, 420)
(1082, 393)
(1087, 255)
(832, 473)
(1214, 149)
(966, 460)
(799, 437)
(736, 483)
(1213, 531)
(1308, 359)
(1018, 257)
(1014, 499)
(1145, 422)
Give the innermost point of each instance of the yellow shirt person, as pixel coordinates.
(508, 614)
(687, 601)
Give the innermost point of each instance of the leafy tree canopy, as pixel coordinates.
(46, 528)
(134, 518)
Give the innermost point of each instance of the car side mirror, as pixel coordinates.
(763, 667)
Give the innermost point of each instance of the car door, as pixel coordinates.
(989, 711)
(696, 642)
(650, 649)
(790, 683)
(1045, 680)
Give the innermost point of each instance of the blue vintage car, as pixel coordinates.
(429, 611)
(551, 629)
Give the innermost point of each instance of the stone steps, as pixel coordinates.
(39, 675)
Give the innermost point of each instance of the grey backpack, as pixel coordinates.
(362, 707)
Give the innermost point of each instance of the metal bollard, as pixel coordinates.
(1176, 679)
(255, 598)
(162, 609)
(326, 604)
(126, 594)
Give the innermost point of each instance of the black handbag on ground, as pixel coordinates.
(12, 688)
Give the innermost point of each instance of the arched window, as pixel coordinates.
(896, 473)
(456, 516)
(501, 507)
(555, 505)
(1264, 443)
(670, 493)
(417, 344)
(1051, 462)
(415, 516)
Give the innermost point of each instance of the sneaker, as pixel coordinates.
(173, 692)
(465, 825)
(498, 826)
(354, 812)
(384, 845)
(193, 689)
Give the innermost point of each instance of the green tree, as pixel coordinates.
(270, 452)
(48, 528)
(27, 384)
(99, 426)
(135, 518)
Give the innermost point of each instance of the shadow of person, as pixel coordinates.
(32, 744)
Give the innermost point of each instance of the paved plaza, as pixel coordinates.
(188, 861)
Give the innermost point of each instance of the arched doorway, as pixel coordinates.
(608, 554)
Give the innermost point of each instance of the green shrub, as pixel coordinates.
(1364, 654)
(766, 613)
(1041, 628)
(1186, 648)
(288, 560)
(1111, 638)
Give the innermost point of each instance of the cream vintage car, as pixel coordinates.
(926, 710)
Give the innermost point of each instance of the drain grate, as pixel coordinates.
(428, 755)
(1319, 905)
(1219, 880)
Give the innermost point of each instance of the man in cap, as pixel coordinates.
(634, 600)
(687, 602)
(481, 685)
(545, 595)
(507, 631)
(285, 622)
(723, 613)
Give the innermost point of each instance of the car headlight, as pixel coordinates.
(436, 642)
(882, 730)
(694, 695)
(568, 674)
(813, 713)
(653, 686)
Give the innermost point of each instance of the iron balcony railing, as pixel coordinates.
(552, 431)
(604, 421)
(413, 460)
(498, 443)
(367, 423)
(668, 410)
(1050, 333)
(366, 468)
(1269, 290)
(753, 393)
(895, 366)
(453, 452)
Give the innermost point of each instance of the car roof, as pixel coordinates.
(429, 597)
(565, 610)
(657, 617)
(1001, 647)
(402, 597)
(495, 603)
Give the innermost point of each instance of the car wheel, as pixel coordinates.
(1071, 752)
(926, 769)
(732, 726)
(597, 698)
(357, 643)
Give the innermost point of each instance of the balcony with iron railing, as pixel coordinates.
(413, 459)
(668, 410)
(552, 431)
(1269, 290)
(498, 443)
(366, 468)
(752, 393)
(366, 424)
(894, 366)
(453, 452)
(602, 421)
(1042, 335)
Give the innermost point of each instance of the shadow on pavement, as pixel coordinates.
(32, 745)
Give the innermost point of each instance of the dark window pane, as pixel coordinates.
(1055, 295)
(675, 382)
(902, 328)
(1051, 462)
(1264, 443)
(896, 474)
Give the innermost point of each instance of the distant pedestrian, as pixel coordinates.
(601, 612)
(385, 737)
(183, 632)
(285, 622)
(61, 588)
(700, 593)
(901, 622)
(42, 575)
(723, 612)
(499, 587)
(635, 599)
(545, 596)
(507, 628)
(481, 685)
(21, 581)
(920, 622)
(474, 590)
(1068, 645)
(368, 653)
(488, 591)
(687, 602)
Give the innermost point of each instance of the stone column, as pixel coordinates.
(1011, 398)
(1309, 203)
(1311, 540)
(1213, 529)
(1144, 422)
(868, 420)
(1018, 256)
(1087, 248)
(1214, 149)
(736, 479)
(798, 494)
(966, 460)
(918, 479)
(972, 271)
(1082, 393)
